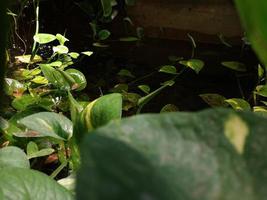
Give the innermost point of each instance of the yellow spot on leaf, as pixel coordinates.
(236, 131)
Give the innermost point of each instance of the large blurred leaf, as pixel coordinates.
(254, 16)
(13, 157)
(47, 124)
(26, 184)
(214, 154)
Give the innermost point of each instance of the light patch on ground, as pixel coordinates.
(236, 130)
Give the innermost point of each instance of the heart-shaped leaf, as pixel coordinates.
(104, 34)
(13, 157)
(194, 64)
(168, 69)
(239, 104)
(214, 100)
(44, 38)
(102, 110)
(62, 39)
(261, 90)
(26, 184)
(47, 124)
(144, 88)
(79, 78)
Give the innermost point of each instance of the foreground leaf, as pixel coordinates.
(13, 157)
(47, 124)
(188, 156)
(26, 184)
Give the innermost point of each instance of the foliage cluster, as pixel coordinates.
(52, 123)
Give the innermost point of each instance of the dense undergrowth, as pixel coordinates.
(59, 142)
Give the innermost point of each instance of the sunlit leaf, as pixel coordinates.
(60, 49)
(87, 53)
(62, 39)
(239, 104)
(27, 59)
(74, 55)
(40, 80)
(44, 38)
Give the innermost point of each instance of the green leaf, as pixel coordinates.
(239, 104)
(194, 64)
(261, 72)
(21, 103)
(129, 39)
(40, 80)
(34, 152)
(102, 110)
(27, 59)
(87, 53)
(79, 78)
(261, 90)
(47, 124)
(144, 88)
(176, 156)
(26, 184)
(62, 39)
(55, 77)
(60, 49)
(14, 87)
(237, 66)
(169, 108)
(107, 7)
(74, 55)
(13, 157)
(168, 69)
(214, 100)
(75, 108)
(69, 182)
(260, 110)
(130, 100)
(44, 38)
(103, 34)
(253, 17)
(125, 72)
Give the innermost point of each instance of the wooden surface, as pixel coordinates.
(173, 19)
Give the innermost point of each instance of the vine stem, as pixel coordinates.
(34, 47)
